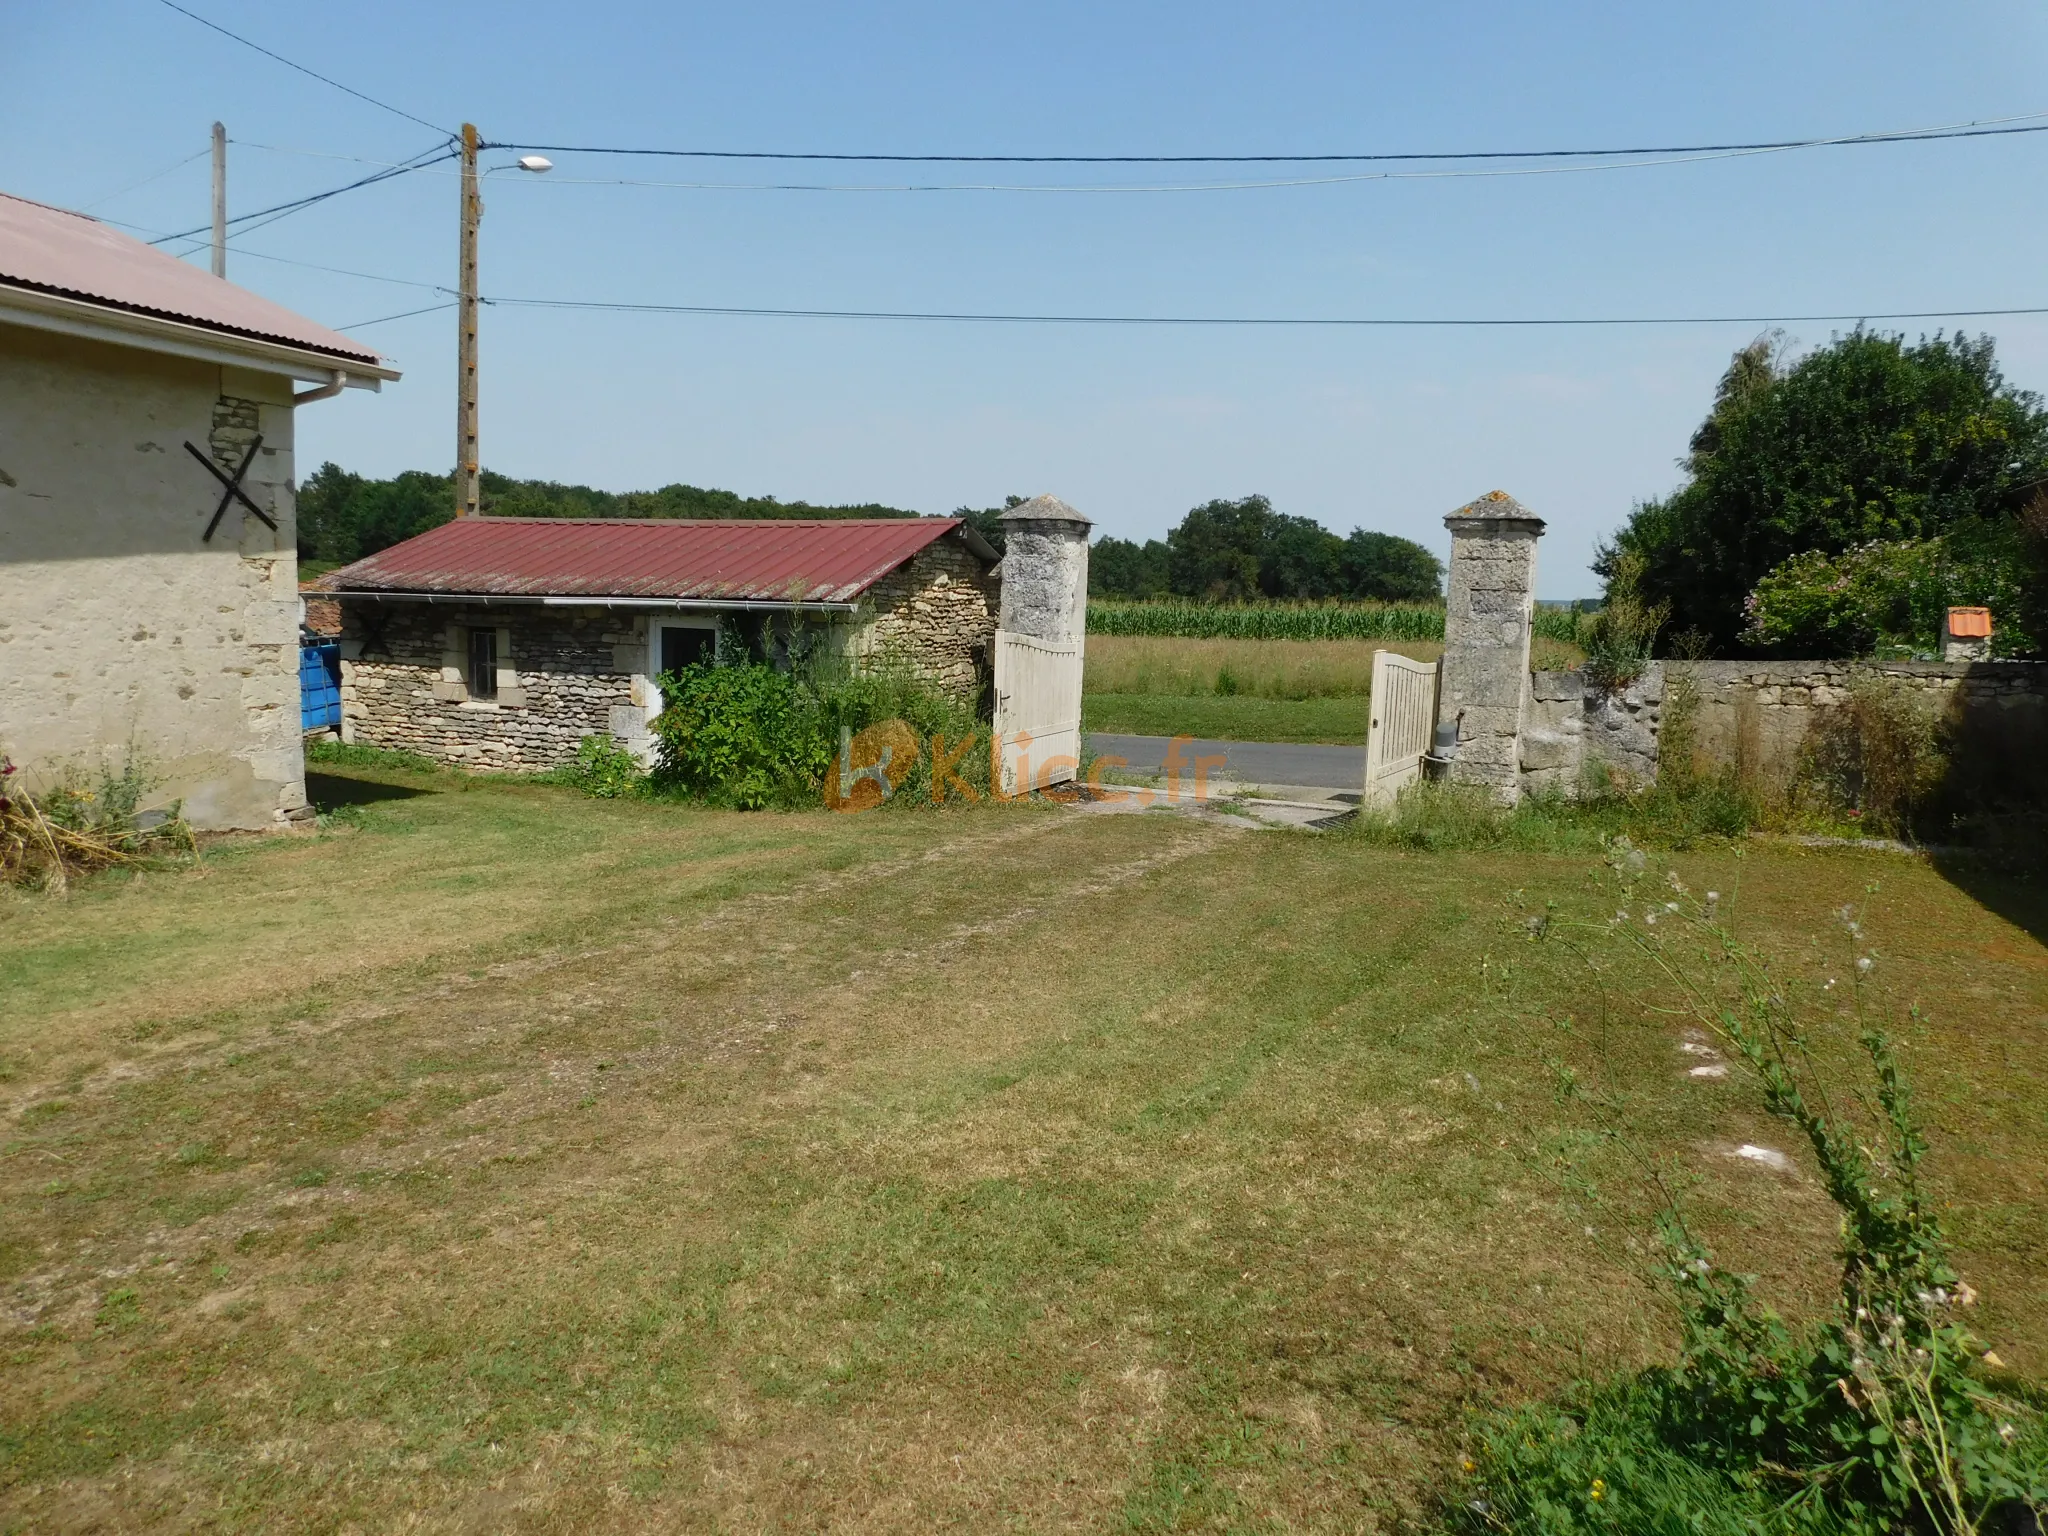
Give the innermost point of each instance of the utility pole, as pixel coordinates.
(220, 200)
(468, 485)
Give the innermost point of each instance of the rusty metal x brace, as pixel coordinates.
(232, 488)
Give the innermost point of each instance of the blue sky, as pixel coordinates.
(1382, 429)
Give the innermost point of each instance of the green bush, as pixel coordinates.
(741, 736)
(751, 736)
(1889, 598)
(603, 769)
(1621, 638)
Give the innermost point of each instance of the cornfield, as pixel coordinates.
(1182, 619)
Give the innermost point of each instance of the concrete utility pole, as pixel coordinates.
(468, 484)
(220, 200)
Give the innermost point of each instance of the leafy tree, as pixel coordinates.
(1234, 550)
(1866, 439)
(343, 516)
(1300, 558)
(1215, 551)
(1124, 568)
(1390, 569)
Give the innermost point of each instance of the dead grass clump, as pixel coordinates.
(74, 830)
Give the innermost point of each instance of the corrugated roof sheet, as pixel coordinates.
(774, 560)
(56, 251)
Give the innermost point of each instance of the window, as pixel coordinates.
(682, 645)
(483, 663)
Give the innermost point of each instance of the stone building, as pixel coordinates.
(503, 642)
(149, 605)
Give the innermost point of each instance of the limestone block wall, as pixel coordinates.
(1762, 718)
(123, 631)
(1758, 716)
(1571, 725)
(563, 674)
(938, 612)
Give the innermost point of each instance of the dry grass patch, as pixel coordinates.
(865, 1173)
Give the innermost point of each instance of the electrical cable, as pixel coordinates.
(313, 73)
(1255, 320)
(2026, 122)
(136, 186)
(272, 214)
(402, 315)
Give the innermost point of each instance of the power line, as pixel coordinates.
(272, 214)
(313, 73)
(401, 315)
(135, 186)
(1258, 320)
(1984, 128)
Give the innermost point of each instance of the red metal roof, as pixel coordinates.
(52, 250)
(774, 560)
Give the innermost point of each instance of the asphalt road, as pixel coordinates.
(1248, 762)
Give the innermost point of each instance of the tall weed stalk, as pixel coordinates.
(1879, 1417)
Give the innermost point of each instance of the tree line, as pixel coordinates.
(345, 516)
(1222, 550)
(1241, 551)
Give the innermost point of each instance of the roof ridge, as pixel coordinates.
(16, 197)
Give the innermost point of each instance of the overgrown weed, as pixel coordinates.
(87, 820)
(1887, 1415)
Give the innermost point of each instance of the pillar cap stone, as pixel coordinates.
(1494, 510)
(1044, 509)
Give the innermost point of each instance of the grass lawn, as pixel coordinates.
(512, 1161)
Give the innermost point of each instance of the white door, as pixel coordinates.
(1403, 717)
(1038, 711)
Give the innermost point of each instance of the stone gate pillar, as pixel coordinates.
(1045, 571)
(1491, 598)
(1039, 641)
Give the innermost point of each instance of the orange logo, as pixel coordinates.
(870, 766)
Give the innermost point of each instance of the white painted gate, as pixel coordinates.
(1038, 710)
(1403, 718)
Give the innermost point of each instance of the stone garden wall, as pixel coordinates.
(1758, 716)
(1570, 724)
(1762, 719)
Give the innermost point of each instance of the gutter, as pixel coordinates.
(123, 326)
(665, 604)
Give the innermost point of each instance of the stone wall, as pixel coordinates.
(1758, 716)
(938, 612)
(563, 674)
(123, 629)
(1762, 719)
(1572, 726)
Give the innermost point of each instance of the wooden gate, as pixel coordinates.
(1403, 717)
(1038, 710)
